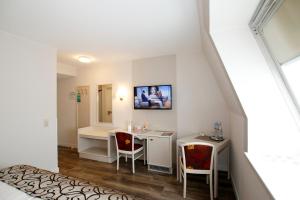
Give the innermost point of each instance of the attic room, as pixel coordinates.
(150, 100)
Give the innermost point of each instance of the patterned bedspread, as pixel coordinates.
(47, 185)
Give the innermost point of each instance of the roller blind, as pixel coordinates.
(282, 32)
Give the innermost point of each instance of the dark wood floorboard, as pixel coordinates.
(143, 184)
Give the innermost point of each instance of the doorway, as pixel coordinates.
(83, 106)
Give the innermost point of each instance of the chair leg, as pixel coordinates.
(211, 187)
(118, 157)
(125, 157)
(180, 175)
(144, 155)
(184, 185)
(207, 179)
(133, 169)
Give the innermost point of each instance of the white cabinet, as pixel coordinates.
(159, 156)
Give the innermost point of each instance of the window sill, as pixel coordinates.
(279, 173)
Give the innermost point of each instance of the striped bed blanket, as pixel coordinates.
(43, 184)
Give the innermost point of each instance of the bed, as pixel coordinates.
(23, 182)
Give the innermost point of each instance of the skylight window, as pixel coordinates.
(276, 26)
(291, 71)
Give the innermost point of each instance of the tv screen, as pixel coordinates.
(153, 97)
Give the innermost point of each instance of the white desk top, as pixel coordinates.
(95, 134)
(192, 138)
(103, 134)
(145, 134)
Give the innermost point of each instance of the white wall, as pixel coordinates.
(156, 71)
(269, 118)
(246, 182)
(117, 74)
(28, 86)
(200, 101)
(197, 99)
(244, 67)
(66, 70)
(266, 109)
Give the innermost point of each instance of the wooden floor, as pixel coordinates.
(143, 184)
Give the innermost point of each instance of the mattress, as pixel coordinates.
(7, 192)
(30, 183)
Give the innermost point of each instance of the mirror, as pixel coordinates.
(104, 102)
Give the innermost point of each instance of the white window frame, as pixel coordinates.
(265, 10)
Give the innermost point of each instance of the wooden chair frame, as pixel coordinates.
(184, 171)
(132, 153)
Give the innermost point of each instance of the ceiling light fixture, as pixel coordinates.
(84, 59)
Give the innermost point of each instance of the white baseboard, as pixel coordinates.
(73, 146)
(235, 189)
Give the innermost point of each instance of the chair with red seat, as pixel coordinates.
(197, 158)
(127, 147)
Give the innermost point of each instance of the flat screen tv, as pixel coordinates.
(157, 97)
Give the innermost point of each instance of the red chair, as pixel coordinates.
(127, 147)
(197, 158)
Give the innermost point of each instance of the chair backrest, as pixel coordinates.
(124, 141)
(198, 156)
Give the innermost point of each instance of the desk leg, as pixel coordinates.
(228, 162)
(145, 152)
(216, 175)
(177, 162)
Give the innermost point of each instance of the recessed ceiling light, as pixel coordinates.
(84, 59)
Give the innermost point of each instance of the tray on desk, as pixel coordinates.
(209, 138)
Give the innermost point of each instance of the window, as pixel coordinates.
(276, 25)
(291, 71)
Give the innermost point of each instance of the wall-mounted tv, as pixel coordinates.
(157, 97)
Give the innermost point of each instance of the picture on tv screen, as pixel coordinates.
(153, 97)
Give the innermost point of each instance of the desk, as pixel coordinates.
(219, 147)
(98, 143)
(159, 148)
(95, 143)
